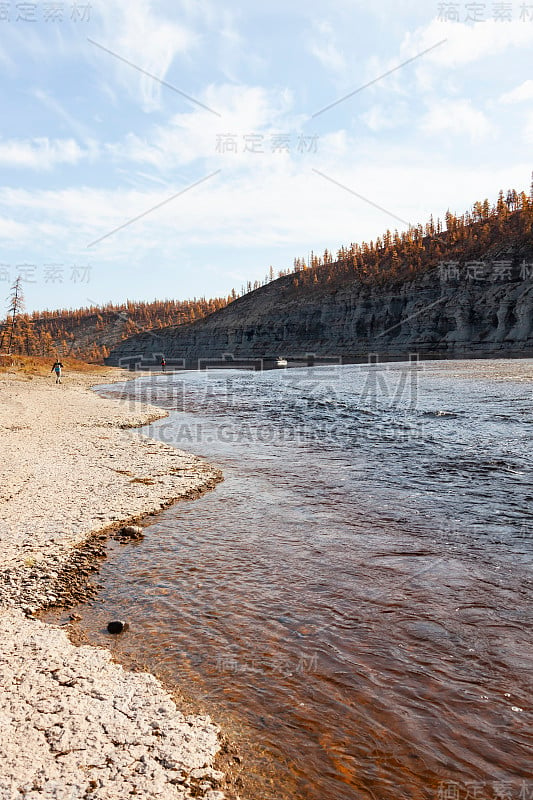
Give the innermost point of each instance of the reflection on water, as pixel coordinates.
(353, 602)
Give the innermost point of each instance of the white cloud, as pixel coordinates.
(528, 130)
(457, 117)
(11, 229)
(466, 44)
(381, 117)
(324, 46)
(272, 203)
(40, 153)
(336, 146)
(79, 130)
(235, 56)
(431, 59)
(198, 135)
(519, 94)
(134, 32)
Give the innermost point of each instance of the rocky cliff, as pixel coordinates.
(482, 308)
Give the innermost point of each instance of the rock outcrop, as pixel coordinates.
(431, 315)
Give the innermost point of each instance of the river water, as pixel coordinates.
(353, 603)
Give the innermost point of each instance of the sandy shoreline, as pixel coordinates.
(73, 723)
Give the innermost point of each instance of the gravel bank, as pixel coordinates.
(73, 724)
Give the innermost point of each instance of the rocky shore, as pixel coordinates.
(73, 723)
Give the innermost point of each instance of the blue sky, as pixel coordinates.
(89, 142)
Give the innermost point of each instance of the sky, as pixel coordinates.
(179, 148)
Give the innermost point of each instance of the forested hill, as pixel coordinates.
(90, 333)
(460, 288)
(460, 285)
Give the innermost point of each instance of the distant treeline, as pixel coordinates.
(89, 333)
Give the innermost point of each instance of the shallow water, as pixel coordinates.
(353, 602)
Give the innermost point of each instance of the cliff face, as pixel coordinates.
(433, 315)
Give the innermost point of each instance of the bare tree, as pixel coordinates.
(16, 305)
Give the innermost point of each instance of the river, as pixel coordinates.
(353, 602)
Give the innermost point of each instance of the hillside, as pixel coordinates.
(90, 333)
(465, 290)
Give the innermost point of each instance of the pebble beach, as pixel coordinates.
(74, 724)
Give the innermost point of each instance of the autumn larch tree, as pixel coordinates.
(16, 306)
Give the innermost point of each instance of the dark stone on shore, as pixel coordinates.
(130, 533)
(116, 626)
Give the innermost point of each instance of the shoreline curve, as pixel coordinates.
(75, 724)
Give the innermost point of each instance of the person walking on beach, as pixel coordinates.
(163, 364)
(58, 366)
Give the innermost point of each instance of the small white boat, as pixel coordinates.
(281, 362)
